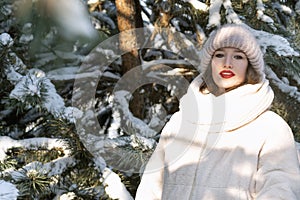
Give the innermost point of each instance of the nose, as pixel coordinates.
(228, 61)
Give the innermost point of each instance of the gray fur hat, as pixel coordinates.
(237, 36)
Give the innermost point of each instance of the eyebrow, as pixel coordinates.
(235, 49)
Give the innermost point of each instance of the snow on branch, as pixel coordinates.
(279, 44)
(35, 85)
(198, 5)
(173, 41)
(35, 168)
(34, 88)
(103, 17)
(131, 123)
(297, 7)
(5, 41)
(215, 16)
(114, 187)
(283, 8)
(33, 143)
(8, 191)
(231, 16)
(283, 86)
(260, 13)
(214, 13)
(52, 168)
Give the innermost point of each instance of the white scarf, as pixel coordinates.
(228, 111)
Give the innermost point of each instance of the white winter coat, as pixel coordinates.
(225, 147)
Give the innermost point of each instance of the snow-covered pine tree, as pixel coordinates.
(41, 156)
(40, 59)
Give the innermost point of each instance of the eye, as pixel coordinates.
(239, 57)
(219, 55)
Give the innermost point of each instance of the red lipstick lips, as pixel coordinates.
(226, 74)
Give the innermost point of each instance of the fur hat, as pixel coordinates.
(237, 36)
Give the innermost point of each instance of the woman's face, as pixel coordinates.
(229, 66)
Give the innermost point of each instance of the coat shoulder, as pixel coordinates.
(275, 126)
(273, 120)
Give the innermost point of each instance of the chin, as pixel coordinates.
(233, 86)
(226, 86)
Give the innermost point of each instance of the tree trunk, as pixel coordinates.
(129, 18)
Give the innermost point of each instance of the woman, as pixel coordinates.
(224, 143)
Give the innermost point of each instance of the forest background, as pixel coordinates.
(83, 98)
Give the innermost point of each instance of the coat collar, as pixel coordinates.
(228, 111)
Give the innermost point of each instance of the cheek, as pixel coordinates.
(243, 70)
(215, 63)
(214, 66)
(244, 67)
(214, 71)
